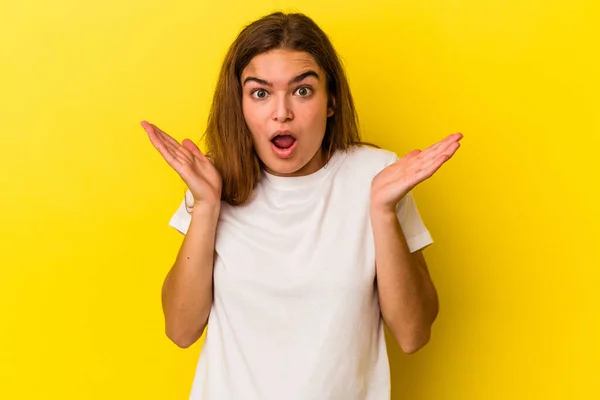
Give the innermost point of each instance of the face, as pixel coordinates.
(285, 105)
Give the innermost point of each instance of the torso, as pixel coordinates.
(295, 313)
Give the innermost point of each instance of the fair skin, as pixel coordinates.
(407, 295)
(187, 292)
(285, 92)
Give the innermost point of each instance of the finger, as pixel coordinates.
(170, 156)
(445, 141)
(451, 141)
(429, 168)
(440, 147)
(192, 148)
(181, 152)
(413, 153)
(154, 137)
(448, 150)
(451, 149)
(150, 131)
(173, 145)
(166, 137)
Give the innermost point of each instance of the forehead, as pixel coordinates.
(279, 64)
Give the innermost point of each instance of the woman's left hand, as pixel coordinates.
(392, 183)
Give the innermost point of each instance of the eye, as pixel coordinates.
(304, 91)
(259, 93)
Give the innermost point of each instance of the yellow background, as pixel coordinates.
(85, 199)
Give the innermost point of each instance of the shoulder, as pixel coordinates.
(359, 164)
(368, 158)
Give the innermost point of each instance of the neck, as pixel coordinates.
(315, 164)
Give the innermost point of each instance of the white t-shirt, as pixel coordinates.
(295, 314)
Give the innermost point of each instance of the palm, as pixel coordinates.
(396, 180)
(196, 170)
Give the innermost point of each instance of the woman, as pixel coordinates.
(300, 240)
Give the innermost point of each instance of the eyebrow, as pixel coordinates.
(297, 79)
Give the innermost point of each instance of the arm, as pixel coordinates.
(407, 296)
(187, 291)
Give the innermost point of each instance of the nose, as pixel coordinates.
(282, 109)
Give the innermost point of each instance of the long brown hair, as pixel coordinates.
(227, 137)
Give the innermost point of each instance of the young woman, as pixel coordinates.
(300, 240)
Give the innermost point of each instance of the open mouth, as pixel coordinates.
(283, 142)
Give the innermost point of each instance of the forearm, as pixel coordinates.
(407, 296)
(188, 288)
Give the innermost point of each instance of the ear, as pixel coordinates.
(331, 106)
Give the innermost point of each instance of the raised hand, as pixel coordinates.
(396, 180)
(196, 170)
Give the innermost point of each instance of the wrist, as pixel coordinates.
(383, 212)
(205, 210)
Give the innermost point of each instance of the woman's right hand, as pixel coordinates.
(197, 171)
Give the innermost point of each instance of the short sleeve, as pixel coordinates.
(416, 233)
(182, 218)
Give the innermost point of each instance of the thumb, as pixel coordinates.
(191, 146)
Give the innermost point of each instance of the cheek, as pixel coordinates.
(252, 116)
(315, 113)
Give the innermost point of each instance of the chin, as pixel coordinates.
(292, 161)
(283, 167)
